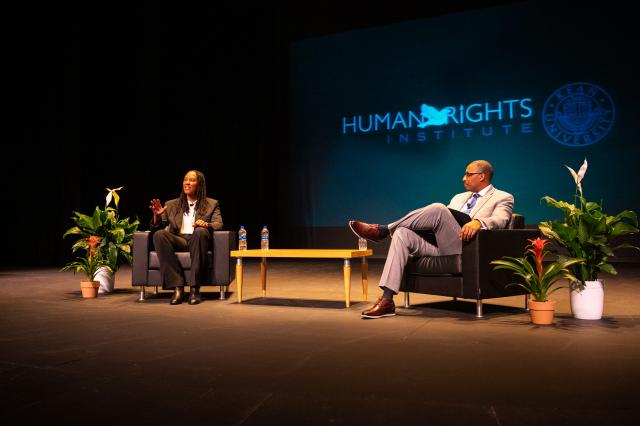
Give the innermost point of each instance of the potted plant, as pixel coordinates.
(588, 233)
(89, 264)
(115, 233)
(539, 281)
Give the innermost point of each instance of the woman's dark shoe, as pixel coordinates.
(177, 296)
(194, 296)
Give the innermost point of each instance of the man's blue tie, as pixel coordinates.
(471, 203)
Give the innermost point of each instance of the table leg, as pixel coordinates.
(263, 276)
(347, 282)
(365, 279)
(239, 278)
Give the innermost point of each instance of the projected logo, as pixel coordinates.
(578, 114)
(501, 118)
(433, 116)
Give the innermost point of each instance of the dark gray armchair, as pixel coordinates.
(146, 267)
(469, 275)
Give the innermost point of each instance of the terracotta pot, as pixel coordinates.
(542, 312)
(89, 289)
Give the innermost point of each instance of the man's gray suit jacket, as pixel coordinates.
(493, 210)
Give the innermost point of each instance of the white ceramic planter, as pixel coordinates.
(587, 300)
(106, 279)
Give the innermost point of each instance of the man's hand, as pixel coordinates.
(200, 223)
(469, 230)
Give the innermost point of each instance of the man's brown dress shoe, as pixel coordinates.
(371, 232)
(177, 296)
(194, 296)
(382, 308)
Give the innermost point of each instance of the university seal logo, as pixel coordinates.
(578, 114)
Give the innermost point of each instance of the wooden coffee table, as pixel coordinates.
(345, 254)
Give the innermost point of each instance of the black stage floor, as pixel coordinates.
(300, 357)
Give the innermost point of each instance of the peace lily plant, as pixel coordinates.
(115, 233)
(588, 233)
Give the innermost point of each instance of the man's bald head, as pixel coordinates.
(485, 167)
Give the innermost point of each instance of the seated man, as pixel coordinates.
(482, 207)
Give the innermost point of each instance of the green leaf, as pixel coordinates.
(627, 214)
(117, 234)
(625, 245)
(622, 228)
(608, 268)
(73, 231)
(605, 250)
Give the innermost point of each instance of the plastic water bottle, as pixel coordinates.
(264, 238)
(242, 238)
(362, 244)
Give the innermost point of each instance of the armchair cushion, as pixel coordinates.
(183, 258)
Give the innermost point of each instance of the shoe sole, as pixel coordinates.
(358, 235)
(377, 316)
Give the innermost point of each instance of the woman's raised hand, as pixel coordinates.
(156, 207)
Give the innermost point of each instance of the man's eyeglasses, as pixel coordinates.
(468, 174)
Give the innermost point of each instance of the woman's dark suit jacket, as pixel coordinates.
(173, 216)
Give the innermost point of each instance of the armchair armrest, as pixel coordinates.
(517, 221)
(140, 263)
(223, 243)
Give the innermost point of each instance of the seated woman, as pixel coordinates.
(191, 218)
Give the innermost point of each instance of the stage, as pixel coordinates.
(300, 357)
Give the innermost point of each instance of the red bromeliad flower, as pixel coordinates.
(93, 240)
(537, 246)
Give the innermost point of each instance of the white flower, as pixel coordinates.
(577, 177)
(114, 194)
